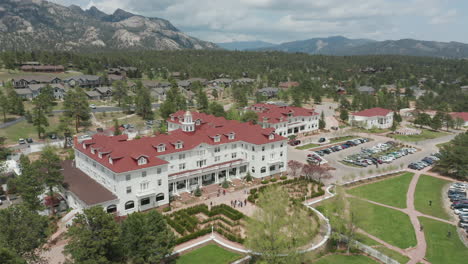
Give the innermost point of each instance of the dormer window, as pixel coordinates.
(100, 155)
(198, 122)
(217, 138)
(272, 136)
(84, 145)
(110, 160)
(92, 151)
(231, 136)
(161, 147)
(179, 145)
(142, 161)
(172, 118)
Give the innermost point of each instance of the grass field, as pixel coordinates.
(26, 130)
(210, 254)
(344, 259)
(390, 225)
(430, 189)
(442, 249)
(425, 134)
(393, 254)
(391, 191)
(308, 146)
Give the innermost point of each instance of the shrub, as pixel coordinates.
(225, 184)
(253, 191)
(248, 177)
(273, 180)
(198, 192)
(167, 209)
(283, 178)
(265, 182)
(194, 235)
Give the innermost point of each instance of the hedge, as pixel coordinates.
(193, 235)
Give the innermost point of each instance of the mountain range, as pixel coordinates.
(39, 24)
(342, 46)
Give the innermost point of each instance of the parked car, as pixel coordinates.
(461, 210)
(92, 106)
(321, 140)
(53, 136)
(21, 141)
(292, 142)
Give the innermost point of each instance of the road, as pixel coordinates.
(98, 109)
(343, 172)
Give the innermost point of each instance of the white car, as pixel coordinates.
(460, 210)
(92, 106)
(387, 159)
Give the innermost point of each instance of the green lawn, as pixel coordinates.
(393, 254)
(341, 139)
(390, 225)
(391, 191)
(425, 134)
(24, 129)
(308, 146)
(442, 249)
(210, 254)
(430, 189)
(343, 259)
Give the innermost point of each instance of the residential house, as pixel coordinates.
(244, 81)
(93, 95)
(85, 81)
(221, 81)
(287, 85)
(105, 92)
(25, 81)
(268, 92)
(340, 90)
(42, 68)
(464, 89)
(366, 90)
(372, 118)
(24, 93)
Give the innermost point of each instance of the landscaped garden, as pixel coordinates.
(425, 135)
(25, 130)
(392, 226)
(390, 191)
(443, 248)
(298, 189)
(197, 221)
(211, 254)
(430, 189)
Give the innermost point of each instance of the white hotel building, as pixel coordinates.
(372, 118)
(286, 120)
(125, 175)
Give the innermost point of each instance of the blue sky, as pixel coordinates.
(287, 20)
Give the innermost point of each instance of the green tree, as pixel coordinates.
(216, 109)
(279, 227)
(147, 237)
(436, 122)
(50, 172)
(394, 125)
(8, 256)
(23, 231)
(344, 116)
(120, 91)
(454, 161)
(322, 123)
(143, 105)
(215, 94)
(38, 117)
(116, 127)
(76, 106)
(94, 238)
(28, 184)
(296, 99)
(249, 116)
(127, 104)
(3, 106)
(459, 122)
(174, 101)
(317, 99)
(202, 101)
(422, 119)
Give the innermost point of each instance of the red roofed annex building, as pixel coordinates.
(286, 120)
(125, 175)
(372, 118)
(461, 115)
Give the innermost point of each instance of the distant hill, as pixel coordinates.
(39, 24)
(343, 46)
(245, 45)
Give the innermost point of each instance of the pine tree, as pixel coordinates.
(3, 105)
(344, 116)
(116, 128)
(50, 171)
(76, 106)
(322, 123)
(119, 92)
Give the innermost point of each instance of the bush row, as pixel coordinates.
(193, 235)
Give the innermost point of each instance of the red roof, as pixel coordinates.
(273, 113)
(462, 115)
(288, 84)
(123, 151)
(376, 111)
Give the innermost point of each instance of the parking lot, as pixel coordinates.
(459, 203)
(426, 148)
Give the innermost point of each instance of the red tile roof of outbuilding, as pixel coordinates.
(274, 113)
(462, 115)
(376, 111)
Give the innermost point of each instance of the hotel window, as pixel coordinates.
(263, 148)
(217, 138)
(179, 145)
(143, 174)
(129, 205)
(217, 149)
(129, 189)
(234, 146)
(158, 170)
(272, 155)
(159, 182)
(281, 154)
(231, 136)
(144, 186)
(145, 201)
(142, 161)
(201, 163)
(182, 156)
(234, 155)
(263, 158)
(217, 158)
(182, 166)
(161, 148)
(253, 169)
(128, 177)
(263, 170)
